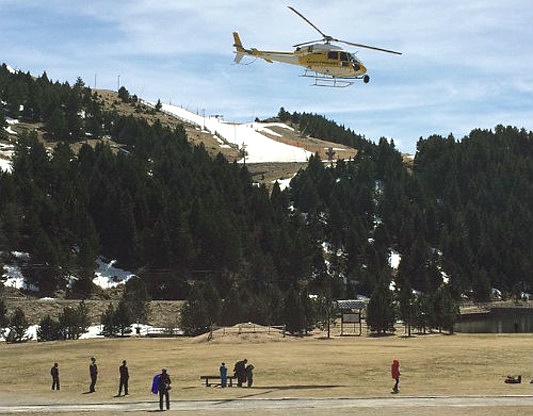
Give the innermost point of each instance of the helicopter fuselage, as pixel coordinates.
(325, 59)
(330, 60)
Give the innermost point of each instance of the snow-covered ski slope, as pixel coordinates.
(259, 147)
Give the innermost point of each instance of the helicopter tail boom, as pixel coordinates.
(240, 51)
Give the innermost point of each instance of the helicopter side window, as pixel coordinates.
(344, 56)
(333, 55)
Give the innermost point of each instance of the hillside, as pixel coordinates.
(105, 176)
(163, 314)
(263, 172)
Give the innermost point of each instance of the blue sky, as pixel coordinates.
(466, 63)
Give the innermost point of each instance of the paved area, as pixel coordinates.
(291, 405)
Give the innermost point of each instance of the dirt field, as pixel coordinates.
(471, 367)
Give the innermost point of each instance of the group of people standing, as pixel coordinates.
(243, 371)
(124, 376)
(161, 382)
(93, 374)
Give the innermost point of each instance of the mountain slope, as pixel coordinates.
(274, 151)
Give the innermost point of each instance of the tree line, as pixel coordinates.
(196, 227)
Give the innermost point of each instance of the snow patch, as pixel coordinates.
(108, 276)
(259, 148)
(394, 259)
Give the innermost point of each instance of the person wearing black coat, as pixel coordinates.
(124, 377)
(163, 388)
(54, 372)
(240, 372)
(93, 372)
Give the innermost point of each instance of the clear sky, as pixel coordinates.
(465, 63)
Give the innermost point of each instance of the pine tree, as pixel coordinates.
(123, 318)
(446, 309)
(380, 311)
(194, 314)
(18, 325)
(49, 329)
(137, 299)
(406, 300)
(74, 321)
(3, 313)
(108, 321)
(295, 313)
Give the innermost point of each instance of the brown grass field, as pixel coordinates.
(340, 367)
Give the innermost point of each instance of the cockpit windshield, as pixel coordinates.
(353, 58)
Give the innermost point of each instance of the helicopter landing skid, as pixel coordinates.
(322, 80)
(328, 81)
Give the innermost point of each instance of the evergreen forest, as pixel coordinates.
(196, 227)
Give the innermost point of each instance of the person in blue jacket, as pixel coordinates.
(223, 375)
(155, 384)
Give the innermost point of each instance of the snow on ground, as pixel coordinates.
(394, 259)
(6, 150)
(95, 331)
(6, 153)
(283, 183)
(259, 148)
(108, 276)
(13, 277)
(394, 262)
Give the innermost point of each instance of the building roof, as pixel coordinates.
(345, 304)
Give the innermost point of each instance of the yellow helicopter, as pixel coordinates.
(329, 65)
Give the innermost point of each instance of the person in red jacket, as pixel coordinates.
(395, 373)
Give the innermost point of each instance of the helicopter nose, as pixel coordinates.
(359, 68)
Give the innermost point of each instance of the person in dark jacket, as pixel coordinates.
(163, 388)
(395, 373)
(93, 373)
(240, 371)
(250, 375)
(124, 377)
(54, 372)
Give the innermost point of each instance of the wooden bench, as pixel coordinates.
(207, 378)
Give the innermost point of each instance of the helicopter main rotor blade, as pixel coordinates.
(326, 37)
(307, 43)
(367, 47)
